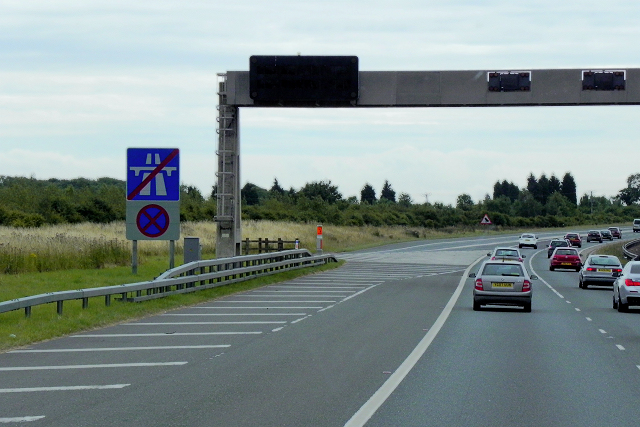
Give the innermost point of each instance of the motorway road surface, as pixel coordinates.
(389, 339)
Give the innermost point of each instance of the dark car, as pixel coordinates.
(556, 243)
(606, 234)
(594, 235)
(616, 232)
(574, 239)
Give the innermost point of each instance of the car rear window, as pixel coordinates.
(502, 270)
(506, 253)
(635, 269)
(565, 252)
(604, 261)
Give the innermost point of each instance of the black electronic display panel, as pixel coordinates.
(303, 80)
(603, 80)
(509, 81)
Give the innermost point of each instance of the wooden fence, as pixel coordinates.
(268, 245)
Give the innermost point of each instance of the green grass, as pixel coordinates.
(16, 330)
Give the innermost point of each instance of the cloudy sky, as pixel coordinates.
(82, 81)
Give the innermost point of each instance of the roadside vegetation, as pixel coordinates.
(60, 235)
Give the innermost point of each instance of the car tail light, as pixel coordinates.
(591, 269)
(526, 286)
(479, 284)
(617, 270)
(493, 258)
(629, 282)
(520, 259)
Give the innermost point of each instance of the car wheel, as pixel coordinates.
(551, 268)
(476, 306)
(584, 285)
(519, 246)
(535, 246)
(527, 308)
(622, 308)
(577, 269)
(615, 303)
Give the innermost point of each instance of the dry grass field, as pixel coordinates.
(88, 245)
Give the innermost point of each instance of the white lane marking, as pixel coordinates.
(204, 323)
(357, 293)
(382, 394)
(106, 365)
(20, 419)
(620, 347)
(274, 302)
(300, 319)
(541, 279)
(76, 350)
(277, 329)
(326, 308)
(163, 334)
(318, 287)
(67, 388)
(577, 309)
(261, 308)
(298, 292)
(234, 314)
(602, 331)
(273, 294)
(588, 319)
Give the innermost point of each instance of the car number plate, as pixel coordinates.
(565, 263)
(501, 285)
(604, 270)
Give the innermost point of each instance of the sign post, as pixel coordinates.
(319, 239)
(153, 197)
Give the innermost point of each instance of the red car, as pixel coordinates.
(565, 258)
(574, 239)
(615, 232)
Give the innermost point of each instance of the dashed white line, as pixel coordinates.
(588, 319)
(621, 348)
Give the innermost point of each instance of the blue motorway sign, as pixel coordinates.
(153, 174)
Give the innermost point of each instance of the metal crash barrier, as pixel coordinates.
(190, 277)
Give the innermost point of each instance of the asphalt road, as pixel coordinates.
(389, 339)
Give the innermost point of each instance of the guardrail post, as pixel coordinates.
(85, 303)
(27, 312)
(59, 307)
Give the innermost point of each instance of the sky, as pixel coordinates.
(82, 81)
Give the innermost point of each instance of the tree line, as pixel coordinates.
(544, 202)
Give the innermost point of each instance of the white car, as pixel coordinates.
(528, 239)
(626, 288)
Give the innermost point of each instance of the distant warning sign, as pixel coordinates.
(485, 220)
(153, 174)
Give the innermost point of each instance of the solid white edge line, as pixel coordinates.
(172, 347)
(109, 365)
(382, 394)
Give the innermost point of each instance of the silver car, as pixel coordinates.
(506, 254)
(502, 283)
(626, 288)
(599, 270)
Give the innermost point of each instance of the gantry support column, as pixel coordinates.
(228, 228)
